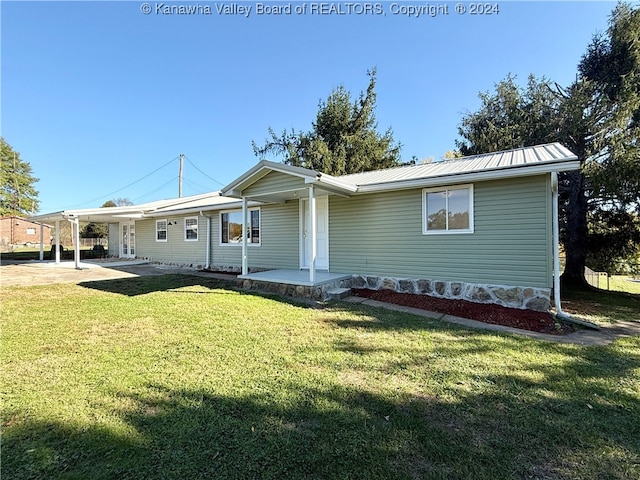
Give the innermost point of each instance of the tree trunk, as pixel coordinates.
(575, 237)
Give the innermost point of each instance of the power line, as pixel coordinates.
(155, 189)
(126, 186)
(197, 186)
(196, 167)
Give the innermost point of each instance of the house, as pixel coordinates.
(16, 230)
(481, 228)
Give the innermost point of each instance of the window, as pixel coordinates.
(447, 210)
(191, 229)
(31, 231)
(231, 227)
(161, 230)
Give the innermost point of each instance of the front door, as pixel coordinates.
(128, 239)
(322, 233)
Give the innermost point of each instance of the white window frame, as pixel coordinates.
(187, 228)
(166, 230)
(446, 231)
(31, 230)
(239, 244)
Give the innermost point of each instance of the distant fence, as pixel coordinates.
(593, 278)
(596, 279)
(91, 242)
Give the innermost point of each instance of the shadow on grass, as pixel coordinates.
(155, 283)
(615, 306)
(510, 429)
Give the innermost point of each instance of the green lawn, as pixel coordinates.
(183, 377)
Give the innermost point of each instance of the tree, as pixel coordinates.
(597, 118)
(118, 202)
(343, 138)
(18, 195)
(611, 67)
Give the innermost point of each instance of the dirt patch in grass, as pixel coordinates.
(488, 313)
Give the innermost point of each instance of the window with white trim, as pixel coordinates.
(161, 230)
(191, 229)
(31, 231)
(231, 227)
(447, 210)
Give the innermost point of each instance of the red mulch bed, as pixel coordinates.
(489, 313)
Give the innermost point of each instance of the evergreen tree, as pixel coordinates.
(597, 118)
(343, 138)
(18, 195)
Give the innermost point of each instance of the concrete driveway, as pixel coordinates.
(48, 272)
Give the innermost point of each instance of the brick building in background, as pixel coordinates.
(20, 231)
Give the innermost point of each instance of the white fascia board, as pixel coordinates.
(511, 172)
(332, 181)
(234, 189)
(198, 210)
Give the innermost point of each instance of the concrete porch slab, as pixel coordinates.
(295, 277)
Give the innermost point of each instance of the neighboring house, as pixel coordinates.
(479, 228)
(20, 231)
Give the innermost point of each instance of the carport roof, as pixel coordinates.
(203, 201)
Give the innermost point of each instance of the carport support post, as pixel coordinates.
(57, 241)
(312, 219)
(41, 242)
(76, 241)
(245, 267)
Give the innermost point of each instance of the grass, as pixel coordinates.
(183, 377)
(624, 283)
(602, 306)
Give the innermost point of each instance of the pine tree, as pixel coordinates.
(343, 139)
(18, 195)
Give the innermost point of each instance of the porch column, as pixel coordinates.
(41, 242)
(314, 241)
(76, 242)
(245, 265)
(57, 241)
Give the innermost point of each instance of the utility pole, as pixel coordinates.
(180, 176)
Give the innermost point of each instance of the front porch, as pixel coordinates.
(296, 283)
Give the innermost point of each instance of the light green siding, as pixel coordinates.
(274, 182)
(114, 240)
(176, 249)
(279, 240)
(381, 234)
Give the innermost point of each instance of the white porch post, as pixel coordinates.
(314, 241)
(57, 241)
(41, 242)
(556, 243)
(76, 242)
(245, 264)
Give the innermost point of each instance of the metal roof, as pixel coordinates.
(111, 214)
(540, 155)
(536, 160)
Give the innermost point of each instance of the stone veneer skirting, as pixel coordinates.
(530, 298)
(508, 296)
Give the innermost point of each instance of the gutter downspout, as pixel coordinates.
(207, 257)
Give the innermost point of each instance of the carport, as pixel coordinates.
(94, 215)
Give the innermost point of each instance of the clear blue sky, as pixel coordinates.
(96, 95)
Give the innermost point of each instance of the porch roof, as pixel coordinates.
(324, 183)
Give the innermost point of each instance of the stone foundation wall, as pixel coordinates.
(514, 297)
